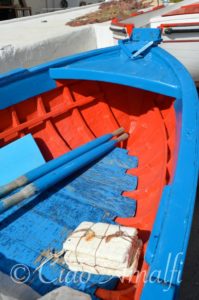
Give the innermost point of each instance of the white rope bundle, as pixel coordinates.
(103, 249)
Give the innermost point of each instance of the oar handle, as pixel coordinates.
(7, 188)
(118, 131)
(27, 192)
(122, 137)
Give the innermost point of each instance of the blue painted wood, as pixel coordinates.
(52, 178)
(45, 182)
(107, 190)
(44, 222)
(121, 69)
(157, 227)
(159, 72)
(55, 163)
(31, 82)
(158, 290)
(42, 170)
(15, 158)
(170, 236)
(27, 83)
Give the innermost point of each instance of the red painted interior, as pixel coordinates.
(78, 111)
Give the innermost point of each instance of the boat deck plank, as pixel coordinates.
(41, 224)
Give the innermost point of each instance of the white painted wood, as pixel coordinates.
(186, 52)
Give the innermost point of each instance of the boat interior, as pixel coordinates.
(74, 113)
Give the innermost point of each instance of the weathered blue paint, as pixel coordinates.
(115, 164)
(44, 222)
(73, 166)
(52, 178)
(40, 171)
(155, 71)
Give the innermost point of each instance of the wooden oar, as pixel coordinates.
(45, 182)
(55, 163)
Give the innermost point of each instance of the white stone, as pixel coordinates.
(65, 293)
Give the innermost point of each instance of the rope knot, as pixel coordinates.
(116, 234)
(90, 234)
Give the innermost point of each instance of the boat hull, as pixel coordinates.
(71, 101)
(187, 53)
(184, 42)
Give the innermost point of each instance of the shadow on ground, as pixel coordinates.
(190, 285)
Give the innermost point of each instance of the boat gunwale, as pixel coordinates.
(186, 160)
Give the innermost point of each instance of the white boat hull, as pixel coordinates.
(184, 46)
(182, 42)
(188, 54)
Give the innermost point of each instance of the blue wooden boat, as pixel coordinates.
(148, 182)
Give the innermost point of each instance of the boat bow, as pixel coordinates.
(136, 62)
